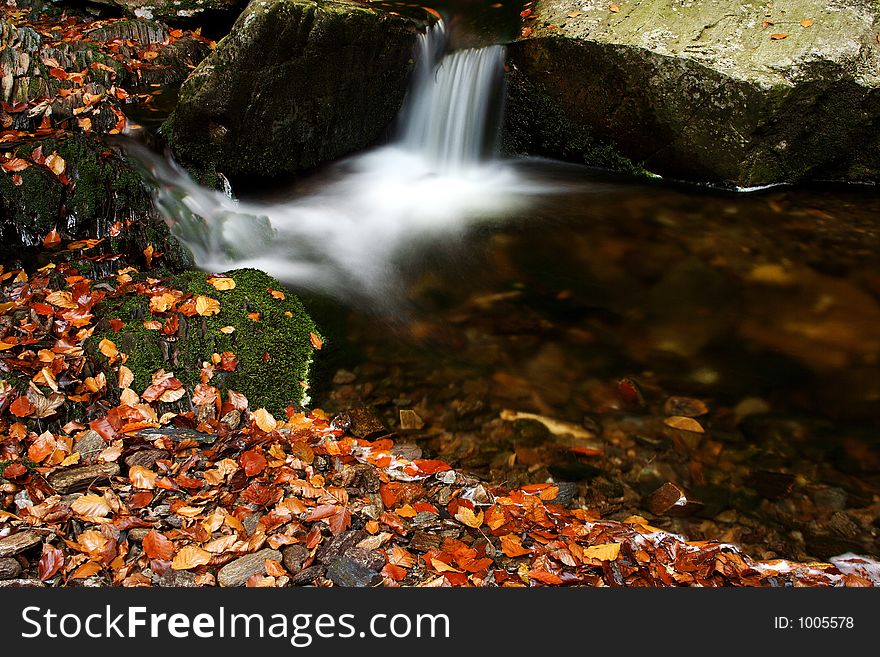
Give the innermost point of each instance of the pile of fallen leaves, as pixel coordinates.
(102, 484)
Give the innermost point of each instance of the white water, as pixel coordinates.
(345, 238)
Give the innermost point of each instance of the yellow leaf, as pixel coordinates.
(227, 330)
(190, 556)
(222, 283)
(406, 511)
(91, 505)
(73, 459)
(159, 303)
(126, 377)
(278, 294)
(465, 516)
(604, 552)
(441, 567)
(206, 306)
(264, 420)
(108, 348)
(142, 478)
(614, 9)
(56, 164)
(61, 299)
(684, 424)
(807, 22)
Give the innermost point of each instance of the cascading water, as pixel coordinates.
(433, 181)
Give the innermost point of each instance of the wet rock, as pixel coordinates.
(346, 63)
(89, 446)
(407, 451)
(18, 542)
(566, 493)
(293, 558)
(356, 568)
(344, 377)
(409, 419)
(830, 498)
(236, 573)
(9, 568)
(79, 477)
(360, 422)
(771, 485)
(702, 92)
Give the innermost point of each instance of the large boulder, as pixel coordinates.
(296, 83)
(741, 93)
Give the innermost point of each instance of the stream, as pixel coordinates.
(459, 289)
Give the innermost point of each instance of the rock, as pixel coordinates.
(274, 354)
(409, 419)
(18, 542)
(700, 91)
(236, 573)
(178, 579)
(293, 557)
(360, 422)
(76, 478)
(356, 568)
(146, 458)
(89, 446)
(424, 541)
(21, 583)
(9, 568)
(771, 485)
(137, 534)
(174, 11)
(307, 576)
(832, 498)
(338, 545)
(296, 83)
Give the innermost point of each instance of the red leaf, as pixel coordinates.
(393, 572)
(50, 563)
(253, 462)
(14, 470)
(430, 466)
(157, 546)
(22, 407)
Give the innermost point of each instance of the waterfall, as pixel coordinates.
(453, 110)
(346, 236)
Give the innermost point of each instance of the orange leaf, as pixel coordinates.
(206, 306)
(684, 423)
(512, 546)
(316, 341)
(142, 478)
(779, 36)
(264, 420)
(190, 556)
(157, 546)
(465, 516)
(52, 239)
(22, 407)
(222, 283)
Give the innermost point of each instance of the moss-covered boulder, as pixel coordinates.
(261, 341)
(296, 83)
(740, 93)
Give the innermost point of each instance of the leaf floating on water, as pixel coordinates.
(684, 424)
(554, 426)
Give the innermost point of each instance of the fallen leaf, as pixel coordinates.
(316, 341)
(91, 505)
(56, 164)
(512, 546)
(158, 546)
(206, 306)
(52, 239)
(222, 283)
(466, 516)
(778, 36)
(264, 420)
(684, 423)
(142, 478)
(604, 552)
(190, 556)
(807, 22)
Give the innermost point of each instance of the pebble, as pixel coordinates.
(9, 568)
(236, 573)
(89, 446)
(293, 557)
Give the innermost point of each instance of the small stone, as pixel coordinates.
(137, 534)
(18, 542)
(89, 446)
(423, 542)
(409, 419)
(356, 568)
(76, 478)
(146, 458)
(21, 583)
(685, 406)
(236, 573)
(307, 575)
(407, 451)
(832, 498)
(294, 556)
(343, 377)
(360, 423)
(338, 545)
(9, 568)
(250, 522)
(178, 579)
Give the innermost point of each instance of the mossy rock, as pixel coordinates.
(105, 188)
(295, 84)
(274, 351)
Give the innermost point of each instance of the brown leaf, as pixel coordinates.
(158, 546)
(604, 552)
(91, 505)
(512, 546)
(253, 462)
(316, 341)
(807, 22)
(779, 36)
(684, 424)
(56, 164)
(50, 563)
(142, 478)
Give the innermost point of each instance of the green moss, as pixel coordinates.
(274, 352)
